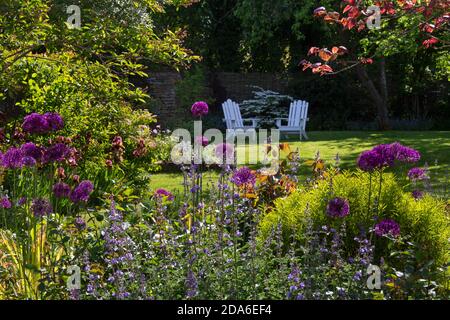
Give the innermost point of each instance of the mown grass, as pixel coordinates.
(434, 147)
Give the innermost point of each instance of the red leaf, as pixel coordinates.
(430, 42)
(347, 7)
(313, 51)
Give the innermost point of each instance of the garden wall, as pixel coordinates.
(222, 86)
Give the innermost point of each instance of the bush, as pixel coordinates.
(424, 221)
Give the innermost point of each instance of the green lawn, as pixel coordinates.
(433, 145)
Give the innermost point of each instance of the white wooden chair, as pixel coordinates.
(298, 115)
(233, 118)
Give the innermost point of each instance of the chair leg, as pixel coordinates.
(304, 134)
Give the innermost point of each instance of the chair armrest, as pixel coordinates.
(278, 121)
(254, 121)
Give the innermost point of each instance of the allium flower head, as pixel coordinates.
(404, 154)
(82, 191)
(56, 153)
(12, 158)
(41, 207)
(29, 149)
(200, 108)
(416, 174)
(54, 120)
(163, 193)
(61, 190)
(417, 194)
(368, 160)
(385, 155)
(5, 203)
(35, 123)
(243, 176)
(29, 161)
(338, 208)
(387, 227)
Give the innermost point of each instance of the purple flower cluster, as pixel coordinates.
(338, 208)
(29, 155)
(12, 158)
(56, 153)
(61, 190)
(29, 149)
(200, 108)
(118, 250)
(81, 192)
(37, 123)
(385, 155)
(387, 227)
(5, 203)
(417, 194)
(41, 207)
(417, 174)
(243, 176)
(163, 193)
(296, 285)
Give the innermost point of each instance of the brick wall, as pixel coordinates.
(223, 85)
(237, 86)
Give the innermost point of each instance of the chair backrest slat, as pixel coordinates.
(232, 113)
(298, 113)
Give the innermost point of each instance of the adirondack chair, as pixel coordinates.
(298, 115)
(233, 118)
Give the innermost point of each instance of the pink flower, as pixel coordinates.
(200, 108)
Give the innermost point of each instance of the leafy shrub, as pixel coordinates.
(266, 105)
(424, 220)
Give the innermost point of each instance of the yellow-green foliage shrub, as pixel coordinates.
(424, 221)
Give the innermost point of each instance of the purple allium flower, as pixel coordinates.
(243, 176)
(417, 194)
(416, 174)
(55, 121)
(224, 150)
(29, 149)
(82, 192)
(56, 152)
(28, 161)
(368, 160)
(61, 190)
(201, 140)
(41, 207)
(35, 123)
(385, 155)
(12, 159)
(338, 208)
(404, 154)
(387, 227)
(163, 193)
(200, 108)
(5, 203)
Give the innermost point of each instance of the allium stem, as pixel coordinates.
(370, 195)
(379, 191)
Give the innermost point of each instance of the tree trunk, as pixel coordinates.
(379, 99)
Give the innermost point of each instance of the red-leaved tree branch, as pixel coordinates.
(434, 20)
